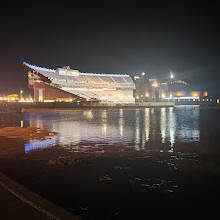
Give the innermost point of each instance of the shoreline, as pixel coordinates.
(57, 106)
(69, 107)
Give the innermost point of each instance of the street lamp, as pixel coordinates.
(171, 75)
(21, 92)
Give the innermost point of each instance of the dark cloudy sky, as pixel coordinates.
(111, 37)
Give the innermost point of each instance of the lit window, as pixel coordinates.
(218, 101)
(40, 97)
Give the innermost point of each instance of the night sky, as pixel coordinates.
(112, 37)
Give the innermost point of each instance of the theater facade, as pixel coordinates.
(65, 84)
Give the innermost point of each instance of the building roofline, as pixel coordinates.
(83, 73)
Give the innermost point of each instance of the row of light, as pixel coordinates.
(171, 97)
(184, 97)
(44, 68)
(16, 99)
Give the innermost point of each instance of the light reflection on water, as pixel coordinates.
(38, 144)
(133, 127)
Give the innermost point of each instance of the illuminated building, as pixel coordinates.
(65, 84)
(150, 89)
(160, 89)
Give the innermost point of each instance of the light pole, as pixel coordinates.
(21, 92)
(171, 75)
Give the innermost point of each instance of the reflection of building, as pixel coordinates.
(138, 128)
(160, 89)
(65, 84)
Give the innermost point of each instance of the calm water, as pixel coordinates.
(138, 129)
(173, 158)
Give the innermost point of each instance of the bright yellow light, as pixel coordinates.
(195, 93)
(154, 84)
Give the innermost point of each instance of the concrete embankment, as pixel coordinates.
(7, 107)
(56, 106)
(20, 203)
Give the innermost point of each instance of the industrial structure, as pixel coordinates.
(65, 84)
(148, 90)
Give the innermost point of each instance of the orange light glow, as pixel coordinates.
(195, 93)
(155, 84)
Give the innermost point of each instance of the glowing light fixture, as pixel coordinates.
(171, 75)
(155, 84)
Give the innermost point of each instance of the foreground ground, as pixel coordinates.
(13, 208)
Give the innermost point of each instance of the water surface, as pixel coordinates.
(130, 162)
